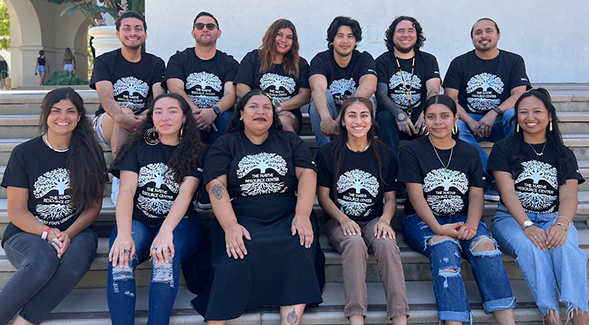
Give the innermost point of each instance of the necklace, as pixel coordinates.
(407, 87)
(50, 147)
(365, 148)
(536, 152)
(438, 155)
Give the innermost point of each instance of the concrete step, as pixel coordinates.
(89, 306)
(29, 101)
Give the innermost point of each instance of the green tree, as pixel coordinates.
(4, 27)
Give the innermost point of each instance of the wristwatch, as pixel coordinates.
(527, 224)
(278, 107)
(217, 110)
(498, 111)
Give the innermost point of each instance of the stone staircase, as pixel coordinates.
(19, 115)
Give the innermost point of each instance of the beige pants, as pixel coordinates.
(354, 250)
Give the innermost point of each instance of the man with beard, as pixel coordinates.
(485, 83)
(338, 73)
(407, 76)
(204, 76)
(125, 79)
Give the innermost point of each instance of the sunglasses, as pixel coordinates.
(201, 26)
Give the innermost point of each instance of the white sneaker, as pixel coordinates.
(115, 190)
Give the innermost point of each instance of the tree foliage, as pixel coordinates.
(4, 27)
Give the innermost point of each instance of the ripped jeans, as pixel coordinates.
(445, 259)
(562, 269)
(165, 278)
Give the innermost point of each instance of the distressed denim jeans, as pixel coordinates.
(120, 288)
(562, 269)
(445, 259)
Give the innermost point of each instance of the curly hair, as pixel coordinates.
(187, 155)
(236, 124)
(388, 38)
(266, 50)
(85, 161)
(340, 21)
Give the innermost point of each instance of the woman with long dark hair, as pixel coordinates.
(277, 69)
(261, 180)
(159, 171)
(538, 180)
(68, 61)
(55, 184)
(444, 180)
(357, 182)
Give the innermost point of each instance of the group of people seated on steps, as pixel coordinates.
(177, 129)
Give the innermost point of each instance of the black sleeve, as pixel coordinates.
(518, 74)
(232, 67)
(130, 162)
(159, 70)
(453, 76)
(381, 68)
(409, 167)
(367, 65)
(324, 169)
(390, 171)
(197, 172)
(218, 159)
(318, 66)
(574, 172)
(499, 159)
(100, 72)
(247, 70)
(304, 74)
(174, 70)
(301, 154)
(15, 174)
(432, 69)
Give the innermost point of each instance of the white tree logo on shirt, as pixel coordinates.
(447, 202)
(536, 171)
(157, 173)
(151, 201)
(204, 80)
(133, 87)
(480, 98)
(58, 210)
(341, 89)
(262, 183)
(152, 207)
(485, 81)
(357, 180)
(401, 98)
(271, 79)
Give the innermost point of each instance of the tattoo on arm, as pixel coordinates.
(217, 191)
(292, 317)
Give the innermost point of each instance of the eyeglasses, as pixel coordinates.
(201, 26)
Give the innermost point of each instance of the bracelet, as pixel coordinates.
(562, 226)
(45, 233)
(469, 227)
(565, 218)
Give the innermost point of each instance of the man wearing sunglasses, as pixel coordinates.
(204, 76)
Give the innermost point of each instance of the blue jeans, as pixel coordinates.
(562, 269)
(222, 122)
(120, 288)
(445, 258)
(388, 131)
(502, 128)
(316, 119)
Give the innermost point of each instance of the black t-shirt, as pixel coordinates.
(445, 190)
(359, 191)
(537, 185)
(156, 188)
(132, 81)
(204, 80)
(342, 82)
(43, 172)
(484, 84)
(276, 82)
(400, 82)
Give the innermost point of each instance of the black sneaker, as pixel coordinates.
(401, 195)
(204, 202)
(491, 193)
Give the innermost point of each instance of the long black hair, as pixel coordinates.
(85, 160)
(187, 155)
(339, 150)
(446, 101)
(236, 124)
(553, 138)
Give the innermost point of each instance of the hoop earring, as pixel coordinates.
(517, 128)
(550, 127)
(455, 129)
(151, 136)
(181, 132)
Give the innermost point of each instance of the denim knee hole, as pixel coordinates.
(488, 247)
(163, 272)
(123, 273)
(449, 272)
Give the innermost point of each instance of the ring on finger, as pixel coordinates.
(126, 250)
(154, 248)
(55, 241)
